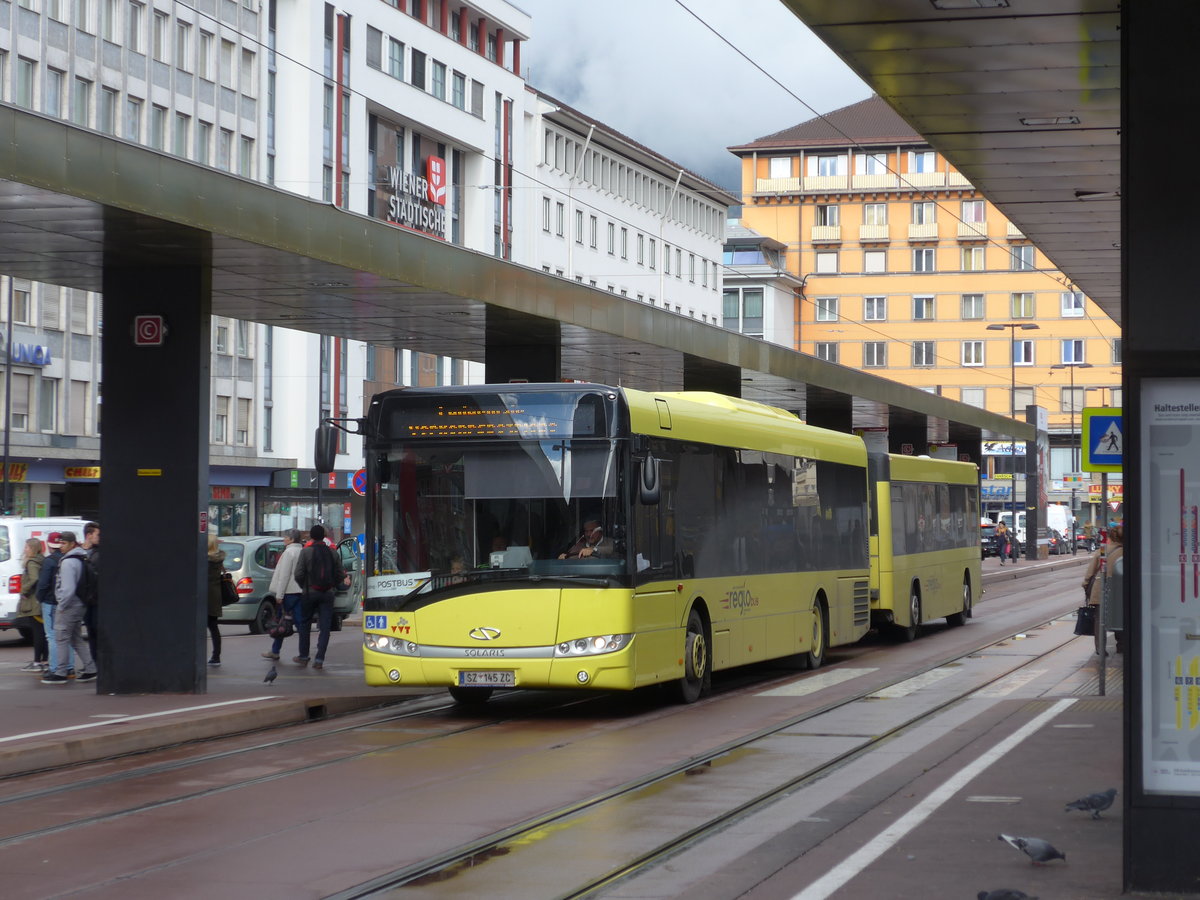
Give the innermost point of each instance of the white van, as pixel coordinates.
(14, 531)
(1058, 517)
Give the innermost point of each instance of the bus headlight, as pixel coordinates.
(591, 646)
(381, 643)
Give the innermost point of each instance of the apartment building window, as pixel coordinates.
(183, 46)
(110, 20)
(924, 213)
(874, 261)
(827, 262)
(418, 69)
(922, 354)
(396, 59)
(439, 80)
(243, 337)
(108, 110)
(26, 78)
(246, 157)
(972, 353)
(1116, 351)
(79, 312)
(1072, 304)
(972, 397)
(593, 231)
(875, 214)
(21, 305)
(827, 164)
(827, 214)
(1072, 350)
(692, 268)
(204, 57)
(1022, 353)
(653, 254)
(133, 119)
(54, 9)
(742, 310)
(1022, 398)
(874, 354)
(973, 258)
(221, 421)
(18, 414)
(203, 142)
(458, 90)
(477, 98)
(158, 39)
(780, 167)
(972, 211)
(221, 338)
(48, 405)
(546, 214)
(826, 350)
(872, 164)
(158, 127)
(875, 309)
(827, 309)
(560, 212)
(1022, 305)
(136, 15)
(624, 243)
(1022, 257)
(922, 308)
(1071, 399)
(641, 250)
(678, 263)
(179, 144)
(972, 306)
(666, 259)
(242, 425)
(924, 259)
(579, 226)
(612, 239)
(52, 102)
(81, 101)
(922, 161)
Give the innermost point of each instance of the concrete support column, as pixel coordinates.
(705, 375)
(154, 490)
(908, 438)
(520, 347)
(832, 418)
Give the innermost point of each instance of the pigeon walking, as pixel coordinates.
(271, 675)
(1004, 894)
(1094, 803)
(1035, 848)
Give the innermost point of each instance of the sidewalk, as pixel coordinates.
(51, 725)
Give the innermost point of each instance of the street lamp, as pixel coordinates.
(1012, 367)
(1071, 367)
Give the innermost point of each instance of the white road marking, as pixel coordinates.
(153, 715)
(813, 683)
(881, 843)
(1006, 686)
(911, 685)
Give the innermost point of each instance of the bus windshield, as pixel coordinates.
(446, 515)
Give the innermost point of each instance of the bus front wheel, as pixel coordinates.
(696, 675)
(960, 618)
(816, 651)
(909, 632)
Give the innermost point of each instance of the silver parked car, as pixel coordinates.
(251, 560)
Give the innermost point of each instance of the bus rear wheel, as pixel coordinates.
(471, 696)
(696, 675)
(816, 651)
(960, 618)
(909, 632)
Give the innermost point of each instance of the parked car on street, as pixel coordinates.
(251, 560)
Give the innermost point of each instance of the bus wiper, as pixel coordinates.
(602, 581)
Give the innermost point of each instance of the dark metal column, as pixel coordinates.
(1161, 334)
(521, 347)
(154, 489)
(701, 374)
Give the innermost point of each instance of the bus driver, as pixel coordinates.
(591, 543)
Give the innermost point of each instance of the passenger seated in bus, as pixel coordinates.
(592, 543)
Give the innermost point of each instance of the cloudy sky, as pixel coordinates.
(656, 72)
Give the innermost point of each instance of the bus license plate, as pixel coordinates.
(487, 679)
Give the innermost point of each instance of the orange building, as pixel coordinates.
(910, 273)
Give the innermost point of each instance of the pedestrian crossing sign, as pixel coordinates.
(1103, 440)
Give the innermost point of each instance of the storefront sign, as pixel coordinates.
(31, 354)
(1115, 492)
(418, 201)
(81, 473)
(16, 471)
(1002, 448)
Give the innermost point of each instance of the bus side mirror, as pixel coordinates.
(648, 486)
(325, 448)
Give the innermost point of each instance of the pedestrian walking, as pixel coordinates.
(45, 595)
(1002, 541)
(216, 568)
(318, 572)
(284, 585)
(28, 608)
(91, 546)
(70, 585)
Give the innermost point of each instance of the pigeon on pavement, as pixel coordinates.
(270, 676)
(1005, 894)
(1035, 848)
(1094, 803)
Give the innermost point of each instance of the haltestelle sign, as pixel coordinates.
(418, 201)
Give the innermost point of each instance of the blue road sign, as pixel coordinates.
(1103, 440)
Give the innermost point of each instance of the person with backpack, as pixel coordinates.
(45, 596)
(318, 572)
(70, 587)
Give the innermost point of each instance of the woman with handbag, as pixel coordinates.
(287, 590)
(1093, 579)
(216, 568)
(29, 610)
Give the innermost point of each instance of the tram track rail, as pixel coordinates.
(445, 865)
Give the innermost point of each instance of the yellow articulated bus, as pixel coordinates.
(925, 554)
(577, 535)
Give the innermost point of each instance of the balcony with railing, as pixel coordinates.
(826, 234)
(873, 233)
(972, 231)
(926, 232)
(1014, 232)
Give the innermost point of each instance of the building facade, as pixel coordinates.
(911, 273)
